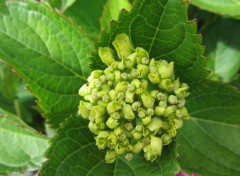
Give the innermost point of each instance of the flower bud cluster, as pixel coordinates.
(135, 104)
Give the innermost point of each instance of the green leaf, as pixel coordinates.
(229, 8)
(66, 4)
(21, 147)
(74, 152)
(111, 12)
(162, 28)
(223, 49)
(87, 15)
(209, 140)
(49, 52)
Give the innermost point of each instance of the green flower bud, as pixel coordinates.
(154, 78)
(131, 88)
(138, 147)
(120, 149)
(114, 65)
(121, 66)
(114, 106)
(128, 112)
(95, 75)
(103, 78)
(172, 132)
(154, 93)
(169, 110)
(123, 137)
(165, 125)
(105, 98)
(142, 70)
(166, 139)
(118, 130)
(153, 63)
(150, 112)
(176, 84)
(162, 96)
(141, 53)
(181, 103)
(110, 77)
(112, 140)
(139, 127)
(146, 120)
(172, 99)
(145, 132)
(178, 123)
(97, 111)
(129, 147)
(129, 97)
(147, 100)
(84, 90)
(181, 92)
(122, 86)
(113, 94)
(155, 124)
(141, 113)
(159, 110)
(165, 69)
(136, 105)
(84, 109)
(128, 126)
(146, 140)
(96, 128)
(136, 135)
(117, 75)
(129, 156)
(112, 123)
(145, 60)
(110, 156)
(106, 55)
(154, 149)
(124, 76)
(122, 45)
(182, 113)
(101, 139)
(162, 104)
(121, 96)
(166, 84)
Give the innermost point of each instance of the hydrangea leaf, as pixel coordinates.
(21, 146)
(111, 12)
(74, 152)
(161, 27)
(223, 51)
(229, 8)
(49, 52)
(209, 140)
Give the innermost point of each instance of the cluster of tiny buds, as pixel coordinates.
(135, 104)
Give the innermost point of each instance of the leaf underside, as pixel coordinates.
(21, 147)
(74, 152)
(209, 140)
(162, 28)
(48, 52)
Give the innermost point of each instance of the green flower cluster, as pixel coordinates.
(135, 104)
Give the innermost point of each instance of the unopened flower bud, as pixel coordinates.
(136, 135)
(172, 99)
(124, 76)
(141, 113)
(145, 60)
(169, 110)
(117, 75)
(116, 115)
(123, 45)
(154, 78)
(178, 123)
(101, 139)
(128, 112)
(150, 112)
(114, 106)
(159, 110)
(146, 120)
(141, 53)
(95, 75)
(147, 100)
(122, 86)
(165, 69)
(106, 55)
(97, 111)
(136, 105)
(142, 70)
(139, 127)
(120, 148)
(118, 130)
(155, 124)
(166, 139)
(138, 147)
(84, 90)
(84, 109)
(121, 96)
(128, 126)
(110, 156)
(166, 84)
(112, 140)
(172, 132)
(112, 123)
(129, 156)
(154, 149)
(129, 97)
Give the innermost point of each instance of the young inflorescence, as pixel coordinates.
(135, 104)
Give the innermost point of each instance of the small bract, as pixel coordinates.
(136, 104)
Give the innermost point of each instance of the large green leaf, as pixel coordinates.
(111, 12)
(209, 141)
(223, 49)
(162, 28)
(74, 152)
(222, 7)
(21, 147)
(49, 52)
(87, 15)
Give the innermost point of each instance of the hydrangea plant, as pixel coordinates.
(123, 85)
